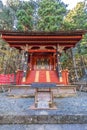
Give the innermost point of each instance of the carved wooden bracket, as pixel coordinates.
(25, 48)
(60, 48)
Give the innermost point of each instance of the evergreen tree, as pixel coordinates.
(13, 4)
(25, 16)
(7, 14)
(50, 15)
(77, 17)
(6, 21)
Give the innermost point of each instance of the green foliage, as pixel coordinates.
(25, 16)
(6, 21)
(13, 4)
(7, 15)
(65, 60)
(82, 47)
(51, 14)
(9, 58)
(43, 15)
(76, 18)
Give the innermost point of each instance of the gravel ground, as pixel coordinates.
(20, 106)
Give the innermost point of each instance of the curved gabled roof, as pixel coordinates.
(63, 38)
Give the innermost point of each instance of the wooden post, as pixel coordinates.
(54, 63)
(65, 77)
(25, 67)
(19, 77)
(59, 69)
(31, 61)
(25, 62)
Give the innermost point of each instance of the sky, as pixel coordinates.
(71, 3)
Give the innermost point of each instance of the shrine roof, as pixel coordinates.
(63, 38)
(40, 33)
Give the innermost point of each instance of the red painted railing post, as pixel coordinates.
(19, 75)
(65, 76)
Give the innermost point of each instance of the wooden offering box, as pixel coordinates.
(43, 95)
(43, 98)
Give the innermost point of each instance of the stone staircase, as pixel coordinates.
(42, 76)
(71, 113)
(30, 77)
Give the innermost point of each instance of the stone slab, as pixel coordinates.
(43, 119)
(45, 127)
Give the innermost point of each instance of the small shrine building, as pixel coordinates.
(42, 51)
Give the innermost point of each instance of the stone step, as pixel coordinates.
(43, 119)
(17, 110)
(42, 76)
(45, 127)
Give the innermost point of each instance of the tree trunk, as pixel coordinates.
(74, 64)
(83, 65)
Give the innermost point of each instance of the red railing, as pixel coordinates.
(11, 78)
(19, 76)
(6, 78)
(65, 77)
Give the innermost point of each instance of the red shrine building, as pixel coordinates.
(42, 51)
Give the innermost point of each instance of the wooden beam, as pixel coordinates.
(41, 37)
(44, 50)
(41, 42)
(18, 45)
